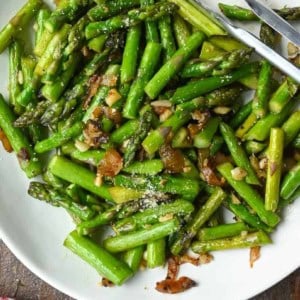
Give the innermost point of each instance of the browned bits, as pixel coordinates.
(93, 135)
(94, 84)
(5, 142)
(254, 255)
(111, 164)
(170, 286)
(106, 283)
(172, 159)
(23, 155)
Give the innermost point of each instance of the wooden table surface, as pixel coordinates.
(16, 281)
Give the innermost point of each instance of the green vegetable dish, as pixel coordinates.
(139, 105)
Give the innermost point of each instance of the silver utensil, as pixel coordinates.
(274, 20)
(252, 41)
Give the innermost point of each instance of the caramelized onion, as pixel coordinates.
(5, 142)
(172, 159)
(111, 164)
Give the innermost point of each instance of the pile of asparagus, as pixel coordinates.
(142, 103)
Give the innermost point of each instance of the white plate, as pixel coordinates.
(35, 233)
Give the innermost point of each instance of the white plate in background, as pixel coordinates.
(35, 232)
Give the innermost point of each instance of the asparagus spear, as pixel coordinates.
(135, 141)
(32, 115)
(146, 167)
(19, 21)
(258, 238)
(282, 96)
(105, 10)
(148, 64)
(76, 37)
(59, 138)
(261, 130)
(181, 30)
(173, 65)
(156, 253)
(199, 87)
(268, 35)
(15, 53)
(52, 91)
(67, 12)
(74, 173)
(28, 159)
(92, 157)
(260, 102)
(133, 258)
(236, 12)
(130, 54)
(153, 215)
(247, 216)
(182, 115)
(166, 36)
(222, 231)
(274, 169)
(133, 17)
(105, 263)
(238, 153)
(198, 17)
(58, 198)
(241, 115)
(186, 234)
(134, 239)
(203, 138)
(186, 188)
(42, 15)
(72, 96)
(151, 26)
(250, 195)
(290, 182)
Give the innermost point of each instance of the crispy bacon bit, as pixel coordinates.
(94, 84)
(5, 142)
(170, 286)
(205, 258)
(172, 159)
(111, 164)
(23, 155)
(254, 255)
(93, 135)
(106, 283)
